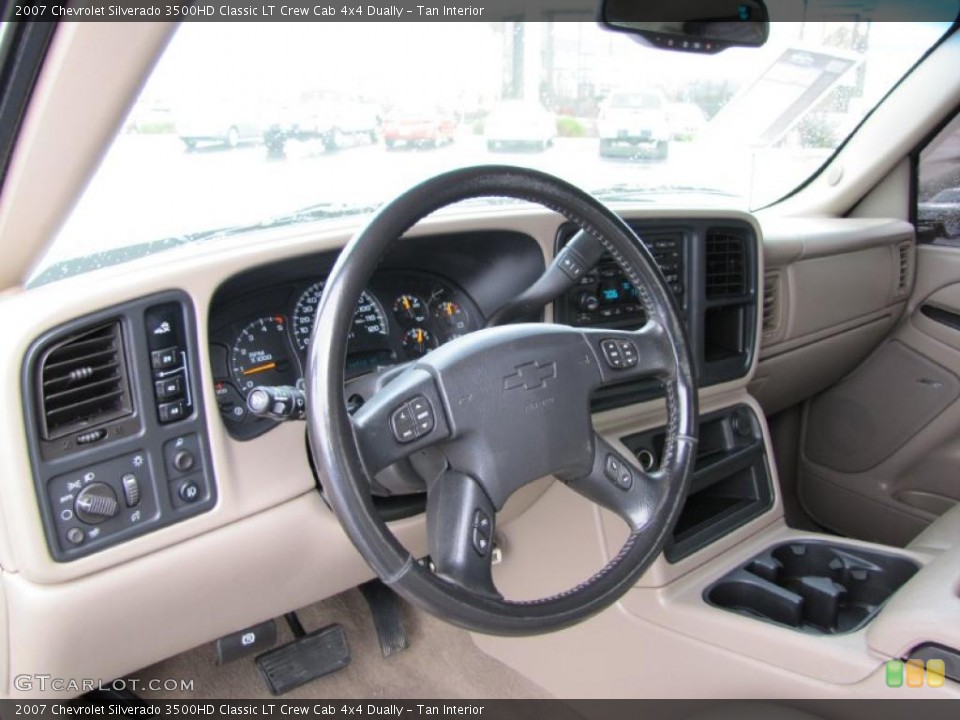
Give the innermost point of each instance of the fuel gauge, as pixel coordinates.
(418, 342)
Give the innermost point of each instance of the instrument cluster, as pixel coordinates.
(264, 338)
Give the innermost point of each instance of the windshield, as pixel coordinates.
(635, 101)
(248, 125)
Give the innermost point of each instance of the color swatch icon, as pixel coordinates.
(894, 673)
(912, 671)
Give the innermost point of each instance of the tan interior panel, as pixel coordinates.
(903, 475)
(789, 378)
(642, 641)
(823, 296)
(852, 428)
(821, 326)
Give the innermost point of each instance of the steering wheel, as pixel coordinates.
(505, 406)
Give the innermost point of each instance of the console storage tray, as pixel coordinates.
(813, 586)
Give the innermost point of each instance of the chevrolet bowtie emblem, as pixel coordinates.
(530, 376)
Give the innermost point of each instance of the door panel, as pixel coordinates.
(880, 453)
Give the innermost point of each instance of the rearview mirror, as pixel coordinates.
(704, 26)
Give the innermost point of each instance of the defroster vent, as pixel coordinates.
(726, 261)
(82, 381)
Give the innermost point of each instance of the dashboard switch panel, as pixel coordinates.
(168, 361)
(119, 481)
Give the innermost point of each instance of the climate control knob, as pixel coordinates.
(587, 301)
(95, 503)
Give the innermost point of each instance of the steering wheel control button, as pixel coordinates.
(95, 503)
(620, 354)
(131, 489)
(165, 359)
(412, 420)
(422, 415)
(481, 521)
(404, 426)
(612, 354)
(481, 535)
(612, 468)
(628, 352)
(618, 472)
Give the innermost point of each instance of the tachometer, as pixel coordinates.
(368, 320)
(261, 355)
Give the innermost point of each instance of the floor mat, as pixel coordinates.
(442, 662)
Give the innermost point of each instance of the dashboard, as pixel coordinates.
(122, 442)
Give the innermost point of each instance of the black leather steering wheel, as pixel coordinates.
(506, 406)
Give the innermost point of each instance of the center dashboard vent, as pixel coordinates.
(82, 381)
(726, 265)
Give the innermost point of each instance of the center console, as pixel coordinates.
(731, 483)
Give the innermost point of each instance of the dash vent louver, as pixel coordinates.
(903, 276)
(771, 304)
(726, 265)
(82, 381)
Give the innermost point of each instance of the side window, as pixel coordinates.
(938, 185)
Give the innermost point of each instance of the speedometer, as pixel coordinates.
(368, 320)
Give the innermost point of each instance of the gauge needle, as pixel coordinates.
(260, 368)
(406, 303)
(419, 337)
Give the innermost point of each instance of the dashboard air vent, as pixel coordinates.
(771, 304)
(726, 255)
(904, 268)
(82, 381)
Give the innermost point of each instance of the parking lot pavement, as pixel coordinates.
(150, 187)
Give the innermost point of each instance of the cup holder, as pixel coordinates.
(813, 587)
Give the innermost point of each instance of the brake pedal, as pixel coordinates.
(385, 608)
(307, 658)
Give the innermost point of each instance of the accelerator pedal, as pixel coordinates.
(308, 657)
(385, 608)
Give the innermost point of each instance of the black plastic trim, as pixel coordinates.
(143, 433)
(939, 315)
(732, 452)
(22, 56)
(694, 307)
(813, 586)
